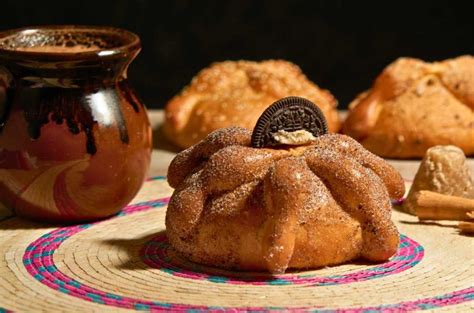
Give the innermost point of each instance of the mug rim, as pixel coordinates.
(132, 43)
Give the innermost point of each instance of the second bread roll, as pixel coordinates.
(414, 105)
(235, 93)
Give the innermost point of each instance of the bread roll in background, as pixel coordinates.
(235, 93)
(414, 105)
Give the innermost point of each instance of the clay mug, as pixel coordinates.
(75, 141)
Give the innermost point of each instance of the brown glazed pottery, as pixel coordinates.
(75, 141)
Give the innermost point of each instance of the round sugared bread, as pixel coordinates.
(235, 93)
(321, 200)
(414, 105)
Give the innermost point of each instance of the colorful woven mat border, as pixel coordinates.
(38, 260)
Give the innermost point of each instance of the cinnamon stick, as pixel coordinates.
(435, 206)
(466, 227)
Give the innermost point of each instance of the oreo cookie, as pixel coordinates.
(288, 114)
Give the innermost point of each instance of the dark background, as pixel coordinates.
(340, 45)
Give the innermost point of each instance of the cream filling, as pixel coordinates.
(295, 138)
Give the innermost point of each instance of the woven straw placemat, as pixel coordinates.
(125, 262)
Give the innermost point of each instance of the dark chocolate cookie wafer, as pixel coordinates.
(288, 114)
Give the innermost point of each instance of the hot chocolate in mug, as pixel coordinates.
(75, 141)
